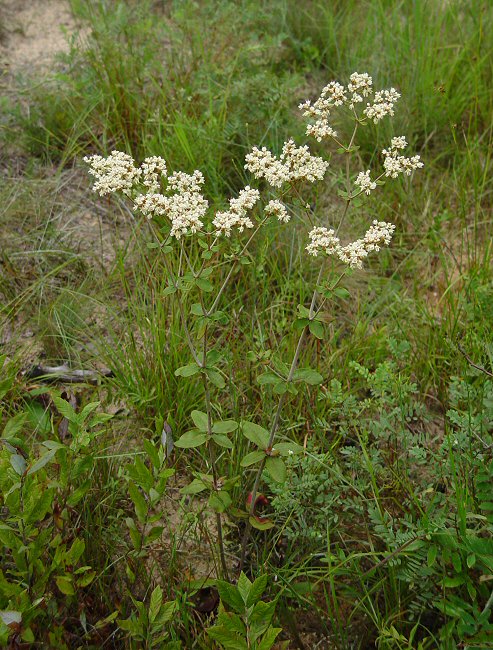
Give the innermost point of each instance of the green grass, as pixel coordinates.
(398, 439)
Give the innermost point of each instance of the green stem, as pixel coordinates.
(233, 267)
(212, 458)
(273, 431)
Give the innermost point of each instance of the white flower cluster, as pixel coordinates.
(116, 173)
(394, 163)
(322, 239)
(335, 94)
(185, 210)
(152, 168)
(278, 209)
(181, 182)
(360, 85)
(364, 182)
(236, 216)
(294, 163)
(383, 105)
(184, 207)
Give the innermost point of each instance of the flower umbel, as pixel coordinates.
(324, 240)
(116, 173)
(236, 216)
(395, 164)
(294, 163)
(364, 182)
(277, 209)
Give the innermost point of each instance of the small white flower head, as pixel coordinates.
(364, 182)
(278, 209)
(185, 207)
(411, 164)
(379, 234)
(394, 163)
(116, 173)
(320, 130)
(152, 169)
(301, 165)
(353, 254)
(398, 143)
(294, 163)
(263, 164)
(323, 240)
(181, 182)
(185, 211)
(334, 93)
(360, 86)
(236, 216)
(360, 83)
(151, 204)
(383, 105)
(245, 201)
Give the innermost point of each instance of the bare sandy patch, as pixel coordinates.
(34, 32)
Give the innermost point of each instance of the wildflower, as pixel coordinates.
(185, 211)
(294, 163)
(398, 143)
(115, 173)
(383, 105)
(181, 182)
(353, 254)
(323, 239)
(152, 168)
(320, 110)
(364, 182)
(278, 209)
(335, 93)
(300, 164)
(320, 130)
(360, 82)
(263, 164)
(151, 204)
(236, 216)
(394, 163)
(360, 86)
(380, 233)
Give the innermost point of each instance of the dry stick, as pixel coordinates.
(471, 362)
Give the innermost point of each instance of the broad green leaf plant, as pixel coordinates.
(201, 252)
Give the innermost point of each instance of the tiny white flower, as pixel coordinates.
(278, 209)
(364, 182)
(152, 168)
(116, 173)
(236, 216)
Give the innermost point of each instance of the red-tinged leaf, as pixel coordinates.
(260, 500)
(261, 523)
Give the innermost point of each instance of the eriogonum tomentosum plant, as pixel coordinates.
(180, 219)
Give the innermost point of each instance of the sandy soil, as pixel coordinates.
(33, 32)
